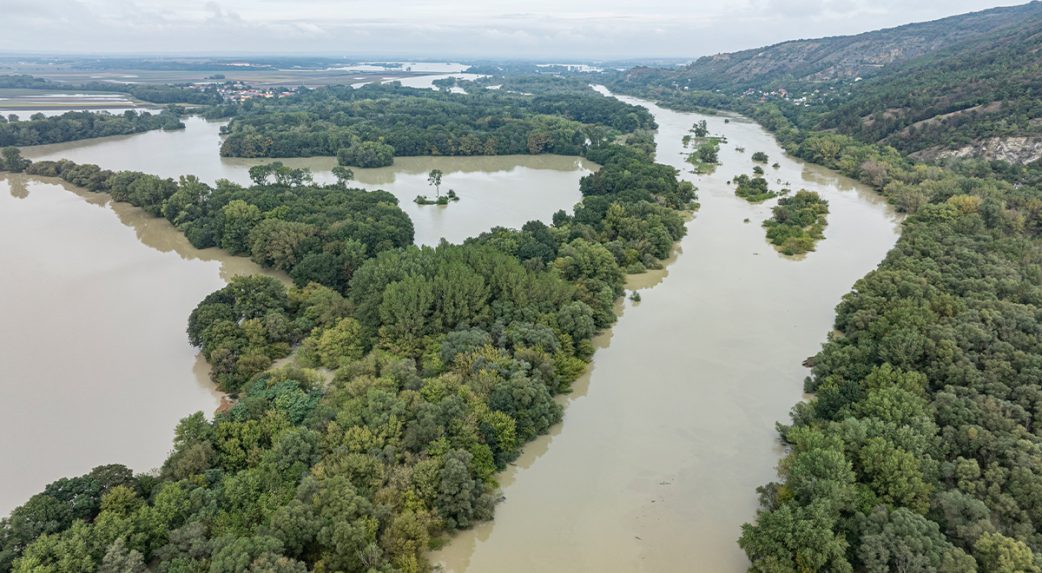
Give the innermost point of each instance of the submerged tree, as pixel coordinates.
(434, 178)
(343, 175)
(11, 160)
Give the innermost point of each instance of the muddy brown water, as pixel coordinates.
(507, 190)
(95, 366)
(664, 442)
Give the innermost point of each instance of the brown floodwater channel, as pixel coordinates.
(95, 365)
(664, 442)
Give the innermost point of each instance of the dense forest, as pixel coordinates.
(76, 125)
(920, 450)
(415, 373)
(362, 126)
(797, 223)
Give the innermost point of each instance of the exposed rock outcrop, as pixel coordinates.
(1021, 149)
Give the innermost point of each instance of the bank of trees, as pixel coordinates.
(368, 126)
(366, 154)
(444, 362)
(284, 222)
(76, 125)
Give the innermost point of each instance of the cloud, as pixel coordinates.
(457, 28)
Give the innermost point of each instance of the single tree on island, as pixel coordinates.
(434, 179)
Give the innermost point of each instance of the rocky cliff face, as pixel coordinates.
(1023, 149)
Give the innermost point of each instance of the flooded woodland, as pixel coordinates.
(663, 441)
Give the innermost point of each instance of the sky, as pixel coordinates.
(531, 29)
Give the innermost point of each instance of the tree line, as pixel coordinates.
(76, 125)
(369, 125)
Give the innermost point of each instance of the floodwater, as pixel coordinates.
(95, 365)
(665, 440)
(25, 103)
(505, 191)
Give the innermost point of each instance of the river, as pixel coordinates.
(95, 366)
(664, 442)
(494, 191)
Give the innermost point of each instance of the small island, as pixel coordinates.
(434, 180)
(706, 155)
(798, 223)
(753, 189)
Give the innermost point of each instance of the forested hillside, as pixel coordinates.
(804, 63)
(965, 95)
(974, 92)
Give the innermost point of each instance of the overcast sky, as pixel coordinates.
(559, 29)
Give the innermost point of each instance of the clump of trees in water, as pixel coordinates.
(797, 223)
(369, 126)
(445, 362)
(434, 180)
(11, 160)
(753, 189)
(76, 125)
(706, 155)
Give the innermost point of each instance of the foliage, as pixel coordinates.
(11, 160)
(367, 127)
(314, 233)
(920, 449)
(753, 189)
(797, 223)
(366, 154)
(76, 125)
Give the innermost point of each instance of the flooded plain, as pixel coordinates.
(665, 440)
(94, 360)
(95, 365)
(494, 191)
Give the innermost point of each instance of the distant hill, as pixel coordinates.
(965, 86)
(979, 97)
(844, 57)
